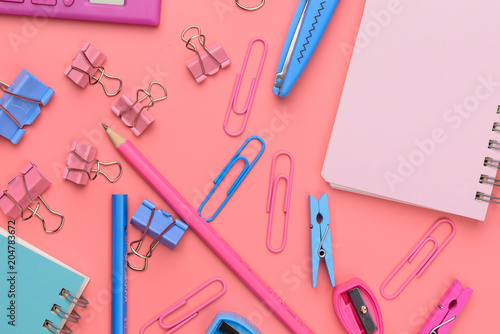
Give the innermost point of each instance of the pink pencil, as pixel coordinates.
(206, 233)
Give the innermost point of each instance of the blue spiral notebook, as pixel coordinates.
(38, 292)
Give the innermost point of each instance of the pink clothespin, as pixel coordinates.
(207, 62)
(413, 253)
(449, 307)
(251, 93)
(171, 327)
(80, 161)
(23, 191)
(271, 198)
(84, 67)
(133, 113)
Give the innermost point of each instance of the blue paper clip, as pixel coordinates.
(159, 225)
(321, 240)
(20, 104)
(308, 25)
(226, 322)
(239, 179)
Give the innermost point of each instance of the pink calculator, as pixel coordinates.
(145, 12)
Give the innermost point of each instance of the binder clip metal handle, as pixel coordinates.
(20, 104)
(23, 191)
(250, 8)
(133, 113)
(80, 165)
(210, 62)
(88, 62)
(157, 224)
(156, 241)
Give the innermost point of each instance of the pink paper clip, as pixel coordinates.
(413, 253)
(449, 307)
(80, 161)
(134, 114)
(251, 93)
(205, 63)
(23, 191)
(271, 198)
(188, 317)
(84, 67)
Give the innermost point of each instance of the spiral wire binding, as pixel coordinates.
(490, 162)
(72, 316)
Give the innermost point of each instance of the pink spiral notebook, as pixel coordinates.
(417, 121)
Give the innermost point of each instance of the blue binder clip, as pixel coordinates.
(20, 104)
(321, 240)
(308, 25)
(231, 323)
(159, 225)
(239, 179)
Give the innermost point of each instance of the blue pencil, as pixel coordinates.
(118, 265)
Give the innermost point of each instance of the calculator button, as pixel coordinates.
(19, 1)
(44, 2)
(68, 2)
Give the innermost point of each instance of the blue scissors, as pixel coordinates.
(308, 25)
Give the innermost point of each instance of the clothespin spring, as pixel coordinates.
(201, 40)
(321, 250)
(435, 329)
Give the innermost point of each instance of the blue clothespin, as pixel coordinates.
(308, 25)
(321, 240)
(226, 322)
(159, 225)
(20, 104)
(239, 179)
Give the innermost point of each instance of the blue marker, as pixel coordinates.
(118, 265)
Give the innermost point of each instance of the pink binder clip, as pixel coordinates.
(133, 113)
(449, 307)
(251, 93)
(357, 308)
(205, 63)
(79, 164)
(271, 198)
(413, 253)
(84, 67)
(189, 316)
(23, 191)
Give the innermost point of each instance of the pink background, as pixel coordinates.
(187, 144)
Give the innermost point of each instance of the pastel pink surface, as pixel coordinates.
(188, 145)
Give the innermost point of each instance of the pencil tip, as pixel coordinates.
(104, 126)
